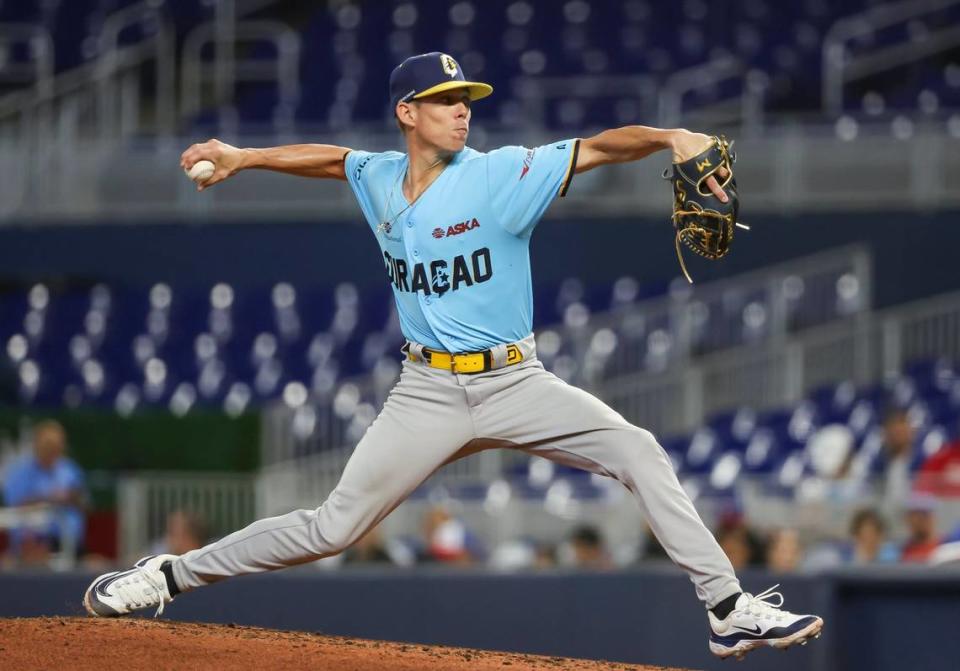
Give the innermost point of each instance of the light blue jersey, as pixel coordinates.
(458, 258)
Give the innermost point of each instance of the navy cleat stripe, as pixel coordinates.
(109, 580)
(771, 634)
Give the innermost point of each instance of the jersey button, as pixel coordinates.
(416, 252)
(410, 223)
(428, 300)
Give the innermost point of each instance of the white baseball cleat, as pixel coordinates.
(755, 622)
(122, 592)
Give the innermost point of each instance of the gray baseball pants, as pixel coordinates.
(433, 417)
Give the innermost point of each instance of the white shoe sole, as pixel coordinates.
(801, 637)
(87, 596)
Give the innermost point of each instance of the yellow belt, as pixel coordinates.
(468, 362)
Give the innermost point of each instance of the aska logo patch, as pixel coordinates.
(456, 229)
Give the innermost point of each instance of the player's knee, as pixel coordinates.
(334, 530)
(639, 449)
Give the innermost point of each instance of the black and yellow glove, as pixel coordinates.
(702, 221)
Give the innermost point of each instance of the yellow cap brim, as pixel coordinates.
(476, 90)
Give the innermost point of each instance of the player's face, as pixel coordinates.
(443, 119)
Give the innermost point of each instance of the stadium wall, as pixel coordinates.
(913, 252)
(876, 621)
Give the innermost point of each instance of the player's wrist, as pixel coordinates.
(676, 138)
(686, 144)
(249, 158)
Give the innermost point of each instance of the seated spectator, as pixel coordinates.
(373, 548)
(522, 554)
(738, 542)
(784, 551)
(922, 537)
(830, 453)
(545, 556)
(940, 473)
(587, 550)
(868, 544)
(898, 436)
(368, 550)
(448, 540)
(47, 478)
(652, 548)
(948, 552)
(185, 531)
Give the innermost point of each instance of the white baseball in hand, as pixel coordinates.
(201, 171)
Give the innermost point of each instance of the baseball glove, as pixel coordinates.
(702, 221)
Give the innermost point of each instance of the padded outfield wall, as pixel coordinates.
(914, 254)
(874, 621)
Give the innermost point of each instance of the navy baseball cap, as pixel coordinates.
(426, 74)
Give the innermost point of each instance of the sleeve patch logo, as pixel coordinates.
(360, 166)
(527, 160)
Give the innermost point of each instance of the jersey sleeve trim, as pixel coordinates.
(571, 169)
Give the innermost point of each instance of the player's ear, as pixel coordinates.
(406, 115)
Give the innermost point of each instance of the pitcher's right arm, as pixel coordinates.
(305, 160)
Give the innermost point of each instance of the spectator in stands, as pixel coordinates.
(47, 480)
(922, 537)
(830, 452)
(740, 544)
(185, 531)
(587, 549)
(948, 552)
(868, 544)
(368, 550)
(653, 550)
(940, 473)
(522, 554)
(784, 551)
(898, 436)
(545, 556)
(374, 549)
(448, 540)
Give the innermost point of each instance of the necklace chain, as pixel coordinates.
(387, 224)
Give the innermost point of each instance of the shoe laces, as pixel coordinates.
(134, 593)
(762, 604)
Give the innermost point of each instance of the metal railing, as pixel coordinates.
(337, 420)
(785, 170)
(38, 72)
(227, 70)
(743, 108)
(38, 518)
(863, 349)
(713, 316)
(41, 156)
(764, 378)
(840, 68)
(224, 501)
(534, 95)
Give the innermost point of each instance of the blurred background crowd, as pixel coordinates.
(48, 501)
(175, 365)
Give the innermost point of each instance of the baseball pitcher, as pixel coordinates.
(454, 227)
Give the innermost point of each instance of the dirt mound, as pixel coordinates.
(82, 644)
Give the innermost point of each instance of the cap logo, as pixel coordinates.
(449, 65)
